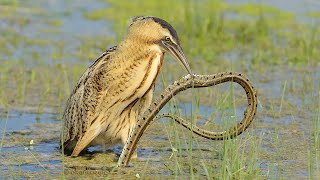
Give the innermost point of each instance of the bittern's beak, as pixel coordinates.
(177, 53)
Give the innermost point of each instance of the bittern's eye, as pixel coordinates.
(167, 38)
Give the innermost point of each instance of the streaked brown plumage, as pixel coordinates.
(118, 87)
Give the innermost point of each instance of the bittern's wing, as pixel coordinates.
(80, 107)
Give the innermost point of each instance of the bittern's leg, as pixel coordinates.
(142, 106)
(131, 118)
(125, 136)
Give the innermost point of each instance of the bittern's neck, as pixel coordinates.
(139, 45)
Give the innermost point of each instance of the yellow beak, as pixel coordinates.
(178, 54)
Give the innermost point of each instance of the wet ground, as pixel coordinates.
(282, 142)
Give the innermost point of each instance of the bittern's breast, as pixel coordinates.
(131, 89)
(133, 81)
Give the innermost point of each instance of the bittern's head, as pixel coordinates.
(157, 32)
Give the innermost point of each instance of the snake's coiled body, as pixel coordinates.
(193, 81)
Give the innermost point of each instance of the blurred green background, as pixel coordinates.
(46, 45)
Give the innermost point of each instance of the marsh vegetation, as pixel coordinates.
(46, 45)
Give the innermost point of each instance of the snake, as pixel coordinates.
(186, 82)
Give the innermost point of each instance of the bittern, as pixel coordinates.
(118, 87)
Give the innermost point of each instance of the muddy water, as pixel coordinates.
(282, 152)
(283, 138)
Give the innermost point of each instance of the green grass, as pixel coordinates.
(208, 36)
(263, 42)
(210, 33)
(233, 160)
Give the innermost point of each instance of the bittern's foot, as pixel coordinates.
(134, 155)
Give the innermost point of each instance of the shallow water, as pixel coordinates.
(283, 124)
(294, 6)
(289, 128)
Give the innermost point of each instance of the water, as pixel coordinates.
(299, 8)
(288, 131)
(73, 26)
(29, 144)
(17, 121)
